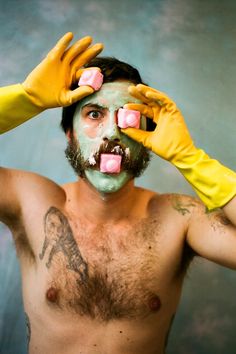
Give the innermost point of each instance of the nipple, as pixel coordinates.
(110, 163)
(154, 303)
(52, 294)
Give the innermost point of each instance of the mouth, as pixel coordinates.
(111, 158)
(134, 163)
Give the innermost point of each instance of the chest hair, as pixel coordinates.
(106, 274)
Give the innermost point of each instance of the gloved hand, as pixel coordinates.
(214, 183)
(48, 85)
(171, 139)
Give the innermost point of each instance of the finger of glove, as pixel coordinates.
(163, 100)
(135, 93)
(80, 71)
(138, 135)
(60, 47)
(143, 109)
(76, 49)
(143, 88)
(152, 94)
(79, 93)
(86, 56)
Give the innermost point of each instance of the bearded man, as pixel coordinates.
(103, 261)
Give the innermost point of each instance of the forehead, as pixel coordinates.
(111, 95)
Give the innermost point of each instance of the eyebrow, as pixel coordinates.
(94, 106)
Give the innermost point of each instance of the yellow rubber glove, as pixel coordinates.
(214, 183)
(48, 85)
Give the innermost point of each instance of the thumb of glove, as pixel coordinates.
(141, 136)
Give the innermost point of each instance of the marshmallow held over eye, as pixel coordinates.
(128, 118)
(110, 163)
(91, 77)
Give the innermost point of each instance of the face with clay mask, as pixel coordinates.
(96, 132)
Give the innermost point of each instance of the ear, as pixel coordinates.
(69, 135)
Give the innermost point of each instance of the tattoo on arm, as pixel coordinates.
(28, 328)
(59, 238)
(182, 208)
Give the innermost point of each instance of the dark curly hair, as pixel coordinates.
(112, 70)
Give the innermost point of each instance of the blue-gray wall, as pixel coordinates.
(186, 48)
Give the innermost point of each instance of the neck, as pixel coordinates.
(99, 207)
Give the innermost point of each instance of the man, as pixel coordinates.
(102, 260)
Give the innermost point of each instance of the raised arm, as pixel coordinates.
(48, 85)
(214, 183)
(212, 229)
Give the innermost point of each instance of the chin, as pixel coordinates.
(107, 183)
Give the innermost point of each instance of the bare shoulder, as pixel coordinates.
(178, 203)
(194, 209)
(25, 180)
(20, 189)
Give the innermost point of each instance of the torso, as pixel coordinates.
(100, 288)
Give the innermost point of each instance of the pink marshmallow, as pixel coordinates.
(128, 118)
(91, 77)
(110, 163)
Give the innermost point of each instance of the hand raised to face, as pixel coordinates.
(170, 139)
(48, 85)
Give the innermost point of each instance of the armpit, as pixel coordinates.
(218, 219)
(23, 247)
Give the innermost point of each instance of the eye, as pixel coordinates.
(94, 114)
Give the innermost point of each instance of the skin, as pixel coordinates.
(92, 126)
(103, 272)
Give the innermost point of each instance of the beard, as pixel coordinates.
(134, 165)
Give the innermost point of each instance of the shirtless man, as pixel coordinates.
(102, 260)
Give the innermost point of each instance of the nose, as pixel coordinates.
(112, 131)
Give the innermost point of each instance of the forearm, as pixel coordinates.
(49, 84)
(214, 183)
(15, 107)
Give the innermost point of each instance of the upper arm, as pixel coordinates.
(9, 201)
(23, 193)
(212, 236)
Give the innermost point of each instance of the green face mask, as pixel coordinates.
(95, 122)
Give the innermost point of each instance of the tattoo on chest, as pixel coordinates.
(107, 288)
(59, 239)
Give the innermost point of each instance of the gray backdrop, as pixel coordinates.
(186, 48)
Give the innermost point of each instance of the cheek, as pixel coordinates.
(89, 138)
(91, 130)
(94, 130)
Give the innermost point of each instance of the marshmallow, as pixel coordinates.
(128, 118)
(110, 163)
(91, 77)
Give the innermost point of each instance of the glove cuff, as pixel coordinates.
(16, 107)
(214, 183)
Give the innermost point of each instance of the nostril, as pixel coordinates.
(116, 140)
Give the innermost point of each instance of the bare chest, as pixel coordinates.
(104, 272)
